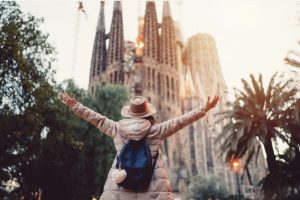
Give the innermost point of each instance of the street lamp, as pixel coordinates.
(236, 166)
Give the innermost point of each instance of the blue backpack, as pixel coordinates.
(135, 159)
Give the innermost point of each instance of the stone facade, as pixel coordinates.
(176, 78)
(161, 75)
(204, 78)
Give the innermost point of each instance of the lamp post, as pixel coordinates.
(236, 166)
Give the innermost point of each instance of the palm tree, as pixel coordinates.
(257, 117)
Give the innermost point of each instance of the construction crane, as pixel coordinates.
(80, 10)
(293, 59)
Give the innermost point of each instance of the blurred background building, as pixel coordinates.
(176, 76)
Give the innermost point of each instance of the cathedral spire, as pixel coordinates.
(98, 63)
(151, 37)
(166, 9)
(116, 36)
(117, 6)
(101, 19)
(168, 40)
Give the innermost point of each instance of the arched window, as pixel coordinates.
(92, 89)
(158, 83)
(168, 85)
(163, 89)
(148, 77)
(168, 88)
(149, 73)
(116, 77)
(120, 77)
(153, 79)
(177, 93)
(172, 87)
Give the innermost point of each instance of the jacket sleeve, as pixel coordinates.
(105, 125)
(171, 126)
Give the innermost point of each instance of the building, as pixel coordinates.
(175, 77)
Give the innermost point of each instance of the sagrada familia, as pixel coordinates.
(176, 76)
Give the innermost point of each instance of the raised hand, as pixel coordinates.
(67, 99)
(211, 104)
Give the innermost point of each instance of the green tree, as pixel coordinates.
(258, 116)
(108, 101)
(26, 90)
(289, 175)
(43, 145)
(76, 167)
(288, 162)
(203, 188)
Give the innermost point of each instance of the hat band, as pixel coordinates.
(137, 114)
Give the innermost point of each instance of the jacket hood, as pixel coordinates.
(134, 128)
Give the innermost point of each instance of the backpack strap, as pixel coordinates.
(119, 159)
(154, 163)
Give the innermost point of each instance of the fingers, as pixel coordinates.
(73, 97)
(208, 98)
(211, 104)
(66, 94)
(67, 99)
(216, 98)
(62, 96)
(59, 96)
(214, 101)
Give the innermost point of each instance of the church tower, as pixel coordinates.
(161, 74)
(170, 103)
(168, 41)
(151, 80)
(151, 37)
(115, 52)
(168, 56)
(174, 77)
(98, 62)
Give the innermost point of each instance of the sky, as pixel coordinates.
(252, 36)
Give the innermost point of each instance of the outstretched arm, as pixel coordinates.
(171, 126)
(105, 125)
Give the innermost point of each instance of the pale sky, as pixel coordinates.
(252, 36)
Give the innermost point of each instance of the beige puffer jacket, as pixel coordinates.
(136, 129)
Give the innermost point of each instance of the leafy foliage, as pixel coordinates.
(43, 145)
(76, 167)
(203, 188)
(25, 93)
(26, 59)
(288, 173)
(257, 118)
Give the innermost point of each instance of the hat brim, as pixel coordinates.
(151, 111)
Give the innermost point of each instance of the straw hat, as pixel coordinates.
(138, 108)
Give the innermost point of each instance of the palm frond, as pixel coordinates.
(259, 93)
(254, 112)
(270, 89)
